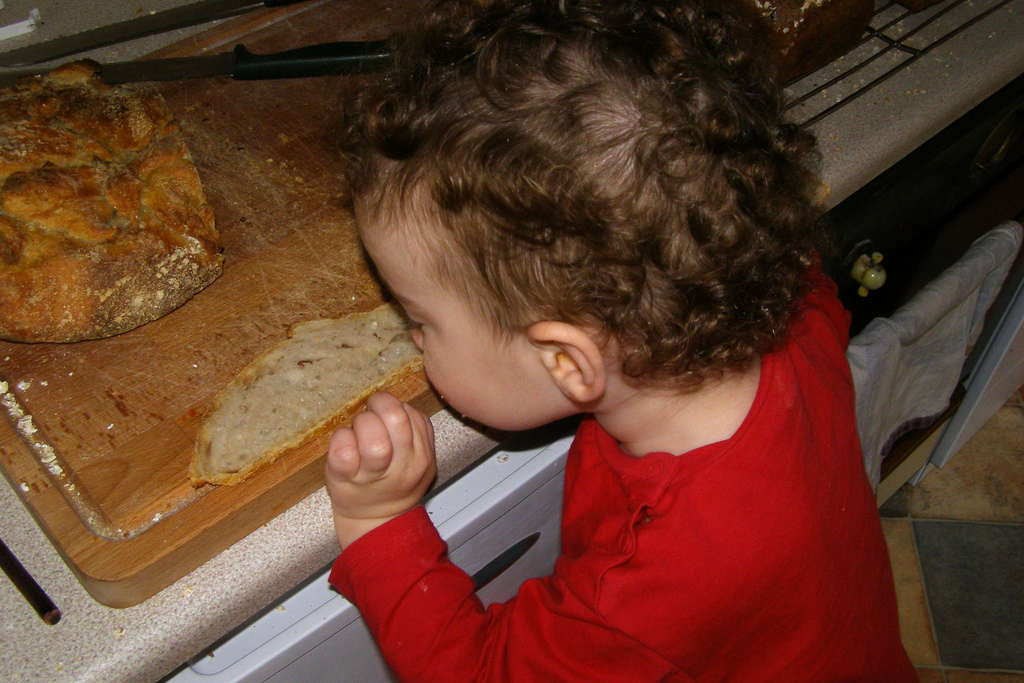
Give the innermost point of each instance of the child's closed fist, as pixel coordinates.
(379, 467)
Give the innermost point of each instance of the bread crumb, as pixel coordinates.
(47, 455)
(25, 425)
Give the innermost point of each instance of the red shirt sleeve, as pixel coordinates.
(425, 617)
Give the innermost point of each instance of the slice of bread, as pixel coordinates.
(299, 390)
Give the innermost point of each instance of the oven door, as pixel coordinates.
(920, 216)
(923, 213)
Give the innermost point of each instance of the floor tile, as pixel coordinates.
(982, 677)
(973, 574)
(898, 504)
(930, 675)
(983, 482)
(915, 625)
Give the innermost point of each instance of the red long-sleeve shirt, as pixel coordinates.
(759, 558)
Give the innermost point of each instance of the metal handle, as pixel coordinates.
(496, 567)
(998, 145)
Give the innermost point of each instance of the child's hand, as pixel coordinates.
(379, 467)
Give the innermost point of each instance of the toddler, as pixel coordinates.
(594, 207)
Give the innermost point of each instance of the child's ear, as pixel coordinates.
(572, 358)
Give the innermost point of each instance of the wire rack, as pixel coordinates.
(894, 40)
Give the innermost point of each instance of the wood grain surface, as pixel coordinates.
(121, 414)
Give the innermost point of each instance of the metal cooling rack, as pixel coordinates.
(894, 40)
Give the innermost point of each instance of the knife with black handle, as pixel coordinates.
(324, 59)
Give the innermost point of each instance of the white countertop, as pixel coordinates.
(97, 644)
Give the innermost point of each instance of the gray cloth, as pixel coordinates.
(906, 367)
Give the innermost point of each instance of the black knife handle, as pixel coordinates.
(325, 59)
(496, 567)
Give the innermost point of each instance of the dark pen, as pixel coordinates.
(28, 587)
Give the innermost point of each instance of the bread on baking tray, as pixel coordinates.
(808, 34)
(299, 390)
(103, 222)
(918, 5)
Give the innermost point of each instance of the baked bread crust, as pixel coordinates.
(104, 225)
(299, 390)
(808, 34)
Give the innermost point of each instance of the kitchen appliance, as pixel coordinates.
(920, 214)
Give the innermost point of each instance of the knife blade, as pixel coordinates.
(324, 59)
(147, 24)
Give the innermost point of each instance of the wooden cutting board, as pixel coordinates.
(115, 420)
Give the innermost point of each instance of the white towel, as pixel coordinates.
(906, 367)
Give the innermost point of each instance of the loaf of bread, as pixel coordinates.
(808, 34)
(918, 5)
(301, 389)
(104, 225)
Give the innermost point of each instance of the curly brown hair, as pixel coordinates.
(618, 162)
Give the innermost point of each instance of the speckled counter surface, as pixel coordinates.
(97, 644)
(143, 643)
(860, 140)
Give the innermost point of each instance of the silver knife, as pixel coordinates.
(324, 59)
(198, 12)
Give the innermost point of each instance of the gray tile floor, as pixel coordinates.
(957, 547)
(974, 578)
